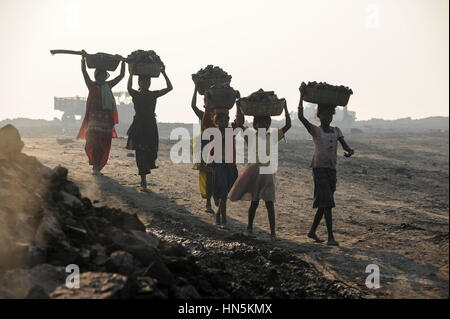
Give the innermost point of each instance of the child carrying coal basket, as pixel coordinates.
(224, 174)
(101, 115)
(325, 138)
(253, 184)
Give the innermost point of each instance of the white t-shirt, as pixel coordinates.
(325, 152)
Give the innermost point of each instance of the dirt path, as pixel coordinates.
(392, 207)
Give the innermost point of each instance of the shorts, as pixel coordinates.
(324, 187)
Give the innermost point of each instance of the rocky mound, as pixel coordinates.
(47, 225)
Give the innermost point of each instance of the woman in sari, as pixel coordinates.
(100, 117)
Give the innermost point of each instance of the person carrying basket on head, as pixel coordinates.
(100, 117)
(143, 134)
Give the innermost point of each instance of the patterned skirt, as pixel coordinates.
(98, 138)
(253, 186)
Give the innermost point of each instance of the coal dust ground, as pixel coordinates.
(392, 210)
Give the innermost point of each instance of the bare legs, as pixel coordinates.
(95, 170)
(329, 222)
(209, 206)
(145, 162)
(221, 215)
(251, 215)
(144, 181)
(270, 212)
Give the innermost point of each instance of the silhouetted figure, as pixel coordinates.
(100, 117)
(143, 133)
(204, 172)
(323, 164)
(224, 174)
(253, 186)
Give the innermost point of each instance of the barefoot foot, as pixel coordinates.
(315, 238)
(209, 209)
(332, 242)
(217, 219)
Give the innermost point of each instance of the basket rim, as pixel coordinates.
(334, 90)
(250, 108)
(263, 114)
(343, 102)
(262, 102)
(144, 63)
(155, 68)
(212, 79)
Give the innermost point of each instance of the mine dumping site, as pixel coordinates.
(391, 211)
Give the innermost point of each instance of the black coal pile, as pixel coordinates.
(143, 56)
(261, 96)
(240, 267)
(210, 72)
(326, 86)
(209, 76)
(46, 225)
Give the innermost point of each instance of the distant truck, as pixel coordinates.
(75, 107)
(71, 106)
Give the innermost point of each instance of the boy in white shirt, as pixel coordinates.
(325, 138)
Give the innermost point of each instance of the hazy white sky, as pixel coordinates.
(392, 53)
